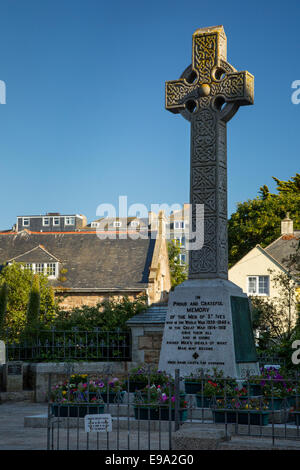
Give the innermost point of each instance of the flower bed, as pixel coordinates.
(76, 410)
(241, 411)
(140, 377)
(80, 390)
(161, 413)
(158, 402)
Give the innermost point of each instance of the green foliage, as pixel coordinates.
(19, 282)
(276, 317)
(258, 221)
(33, 308)
(108, 315)
(177, 271)
(3, 306)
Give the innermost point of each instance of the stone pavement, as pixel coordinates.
(13, 435)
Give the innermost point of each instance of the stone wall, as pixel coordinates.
(71, 300)
(150, 344)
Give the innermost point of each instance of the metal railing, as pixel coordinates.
(56, 345)
(145, 418)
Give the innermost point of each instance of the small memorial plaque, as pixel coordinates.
(14, 368)
(98, 423)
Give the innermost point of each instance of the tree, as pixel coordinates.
(19, 282)
(276, 317)
(258, 221)
(33, 308)
(3, 306)
(178, 271)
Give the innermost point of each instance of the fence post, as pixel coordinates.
(177, 399)
(49, 413)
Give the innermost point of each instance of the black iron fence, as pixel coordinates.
(146, 408)
(56, 345)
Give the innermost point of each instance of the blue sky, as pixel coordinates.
(85, 121)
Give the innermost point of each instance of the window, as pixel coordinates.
(182, 258)
(26, 222)
(258, 285)
(46, 221)
(180, 241)
(49, 269)
(39, 267)
(179, 224)
(69, 220)
(56, 221)
(135, 223)
(95, 224)
(117, 224)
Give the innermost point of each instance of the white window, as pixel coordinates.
(69, 220)
(26, 222)
(39, 267)
(51, 269)
(117, 224)
(182, 258)
(135, 223)
(95, 224)
(56, 221)
(46, 221)
(180, 241)
(178, 224)
(258, 285)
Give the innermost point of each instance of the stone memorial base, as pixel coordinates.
(208, 325)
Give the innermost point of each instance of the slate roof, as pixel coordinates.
(283, 249)
(154, 314)
(91, 263)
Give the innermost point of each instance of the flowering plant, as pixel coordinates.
(236, 404)
(273, 383)
(80, 389)
(144, 376)
(156, 395)
(218, 385)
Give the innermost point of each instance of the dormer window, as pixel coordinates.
(117, 224)
(135, 223)
(48, 269)
(69, 220)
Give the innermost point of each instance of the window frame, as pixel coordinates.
(257, 278)
(71, 218)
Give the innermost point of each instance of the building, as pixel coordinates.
(255, 271)
(178, 230)
(97, 269)
(51, 222)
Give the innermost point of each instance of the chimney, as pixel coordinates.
(162, 224)
(287, 226)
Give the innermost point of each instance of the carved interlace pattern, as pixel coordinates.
(208, 141)
(204, 56)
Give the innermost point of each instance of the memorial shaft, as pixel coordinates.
(208, 94)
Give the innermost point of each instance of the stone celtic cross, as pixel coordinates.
(208, 94)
